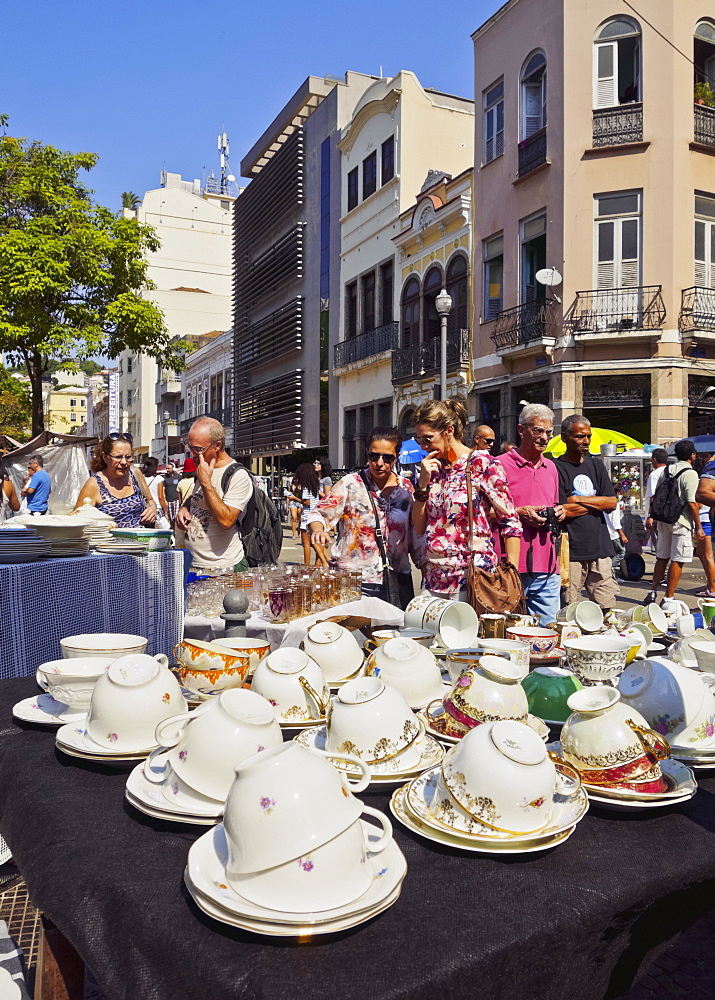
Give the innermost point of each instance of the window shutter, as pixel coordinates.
(606, 274)
(499, 121)
(532, 109)
(605, 75)
(489, 135)
(629, 253)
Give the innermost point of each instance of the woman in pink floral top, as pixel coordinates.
(440, 501)
(348, 505)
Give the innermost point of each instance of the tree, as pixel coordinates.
(72, 274)
(15, 407)
(130, 200)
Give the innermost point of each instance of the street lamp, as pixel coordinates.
(443, 304)
(167, 418)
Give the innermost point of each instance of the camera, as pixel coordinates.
(552, 524)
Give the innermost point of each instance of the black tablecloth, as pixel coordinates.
(575, 922)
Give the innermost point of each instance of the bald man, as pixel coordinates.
(483, 440)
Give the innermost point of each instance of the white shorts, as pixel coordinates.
(674, 542)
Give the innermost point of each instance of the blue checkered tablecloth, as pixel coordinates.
(44, 601)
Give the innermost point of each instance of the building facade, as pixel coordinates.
(399, 140)
(592, 159)
(286, 280)
(207, 384)
(192, 274)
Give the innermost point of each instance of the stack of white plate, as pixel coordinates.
(74, 741)
(147, 797)
(97, 534)
(20, 545)
(205, 878)
(70, 547)
(121, 548)
(64, 533)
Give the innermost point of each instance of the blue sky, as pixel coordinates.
(149, 84)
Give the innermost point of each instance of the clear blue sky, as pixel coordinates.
(149, 84)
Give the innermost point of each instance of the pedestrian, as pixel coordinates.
(659, 460)
(506, 446)
(534, 487)
(619, 539)
(309, 494)
(353, 505)
(295, 506)
(115, 487)
(36, 486)
(222, 491)
(169, 493)
(150, 471)
(323, 470)
(9, 501)
(706, 497)
(483, 439)
(587, 493)
(677, 517)
(440, 513)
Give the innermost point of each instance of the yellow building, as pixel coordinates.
(66, 409)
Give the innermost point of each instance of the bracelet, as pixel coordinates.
(421, 495)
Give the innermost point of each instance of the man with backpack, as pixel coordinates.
(675, 514)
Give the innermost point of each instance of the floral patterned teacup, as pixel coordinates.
(674, 700)
(72, 681)
(370, 720)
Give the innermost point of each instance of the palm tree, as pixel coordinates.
(130, 200)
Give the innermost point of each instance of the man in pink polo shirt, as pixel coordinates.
(534, 485)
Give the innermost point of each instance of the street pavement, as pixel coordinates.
(685, 969)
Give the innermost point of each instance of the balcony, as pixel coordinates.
(532, 324)
(366, 345)
(224, 416)
(610, 313)
(424, 359)
(532, 152)
(697, 310)
(168, 384)
(705, 125)
(618, 126)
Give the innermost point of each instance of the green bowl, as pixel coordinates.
(547, 689)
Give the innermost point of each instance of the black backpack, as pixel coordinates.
(666, 505)
(260, 526)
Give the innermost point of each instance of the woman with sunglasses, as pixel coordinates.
(352, 504)
(440, 514)
(114, 488)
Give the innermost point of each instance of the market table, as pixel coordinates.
(574, 923)
(44, 601)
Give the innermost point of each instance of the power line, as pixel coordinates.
(658, 32)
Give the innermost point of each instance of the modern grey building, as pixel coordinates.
(286, 272)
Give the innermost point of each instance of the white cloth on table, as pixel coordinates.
(44, 601)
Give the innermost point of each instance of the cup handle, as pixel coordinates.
(357, 786)
(370, 645)
(179, 645)
(566, 770)
(321, 703)
(41, 680)
(157, 777)
(162, 659)
(386, 826)
(170, 739)
(652, 742)
(434, 702)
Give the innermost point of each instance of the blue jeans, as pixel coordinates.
(543, 595)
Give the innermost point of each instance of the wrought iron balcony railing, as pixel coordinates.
(610, 310)
(617, 126)
(224, 415)
(525, 323)
(705, 125)
(423, 359)
(697, 310)
(532, 152)
(383, 338)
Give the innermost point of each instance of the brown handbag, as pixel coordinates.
(494, 593)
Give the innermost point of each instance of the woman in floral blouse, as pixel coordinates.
(440, 501)
(348, 505)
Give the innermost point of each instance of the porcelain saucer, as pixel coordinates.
(45, 711)
(678, 777)
(636, 805)
(336, 685)
(303, 932)
(206, 866)
(73, 739)
(297, 727)
(542, 658)
(150, 795)
(431, 724)
(402, 813)
(432, 753)
(565, 813)
(168, 816)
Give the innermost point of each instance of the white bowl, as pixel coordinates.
(704, 655)
(110, 644)
(72, 681)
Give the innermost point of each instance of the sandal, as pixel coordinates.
(704, 593)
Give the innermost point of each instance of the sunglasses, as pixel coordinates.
(121, 436)
(481, 437)
(195, 450)
(375, 456)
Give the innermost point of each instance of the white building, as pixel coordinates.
(399, 135)
(192, 275)
(207, 383)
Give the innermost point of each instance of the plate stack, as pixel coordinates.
(65, 534)
(119, 548)
(21, 545)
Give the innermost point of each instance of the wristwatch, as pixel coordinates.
(421, 495)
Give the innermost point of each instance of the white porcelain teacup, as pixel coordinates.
(587, 615)
(130, 699)
(500, 777)
(455, 623)
(285, 802)
(410, 668)
(72, 681)
(674, 700)
(371, 720)
(333, 874)
(685, 626)
(674, 608)
(704, 655)
(598, 659)
(518, 652)
(652, 616)
(257, 649)
(335, 649)
(381, 635)
(204, 747)
(293, 683)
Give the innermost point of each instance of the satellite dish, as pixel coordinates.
(548, 276)
(230, 178)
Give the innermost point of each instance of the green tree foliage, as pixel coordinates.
(71, 273)
(15, 407)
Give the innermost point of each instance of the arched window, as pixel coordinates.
(458, 288)
(533, 95)
(431, 289)
(410, 326)
(617, 63)
(704, 53)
